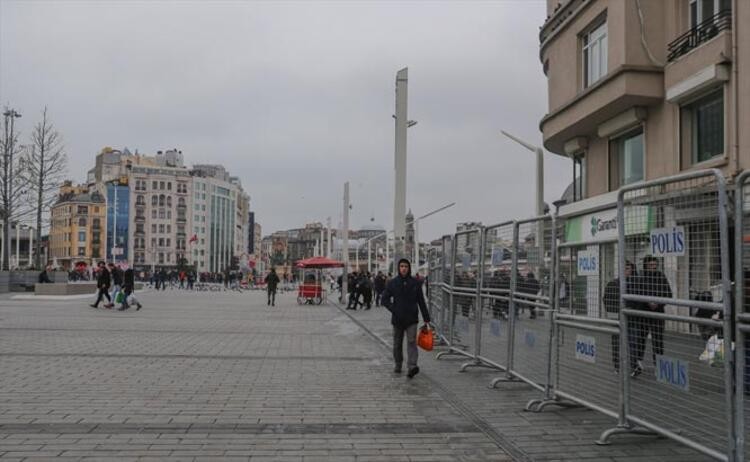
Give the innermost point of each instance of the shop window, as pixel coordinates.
(626, 159)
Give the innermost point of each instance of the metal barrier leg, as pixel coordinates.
(475, 363)
(604, 438)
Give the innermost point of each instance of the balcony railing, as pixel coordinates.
(699, 34)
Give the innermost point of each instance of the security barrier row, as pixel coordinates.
(626, 309)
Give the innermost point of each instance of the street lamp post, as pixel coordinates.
(539, 190)
(10, 116)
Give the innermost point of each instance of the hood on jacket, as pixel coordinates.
(404, 260)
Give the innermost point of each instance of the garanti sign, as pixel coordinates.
(602, 226)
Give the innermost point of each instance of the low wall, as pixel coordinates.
(76, 288)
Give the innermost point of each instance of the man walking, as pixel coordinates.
(402, 295)
(272, 282)
(128, 287)
(116, 276)
(379, 287)
(102, 284)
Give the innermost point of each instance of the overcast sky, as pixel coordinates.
(296, 98)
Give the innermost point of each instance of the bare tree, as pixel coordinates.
(13, 184)
(46, 165)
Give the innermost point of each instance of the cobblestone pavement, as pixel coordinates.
(553, 435)
(209, 376)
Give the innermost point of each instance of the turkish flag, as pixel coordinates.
(193, 239)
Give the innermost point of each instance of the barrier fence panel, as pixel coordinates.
(532, 285)
(586, 340)
(444, 326)
(466, 276)
(674, 231)
(434, 285)
(495, 298)
(742, 315)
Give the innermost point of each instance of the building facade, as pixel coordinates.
(643, 90)
(78, 226)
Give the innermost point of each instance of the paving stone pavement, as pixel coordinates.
(211, 376)
(552, 435)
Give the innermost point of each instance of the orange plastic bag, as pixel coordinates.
(424, 338)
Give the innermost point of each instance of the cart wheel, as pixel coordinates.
(318, 300)
(300, 301)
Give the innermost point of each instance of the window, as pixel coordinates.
(140, 200)
(169, 214)
(161, 229)
(161, 242)
(154, 185)
(82, 210)
(161, 257)
(81, 251)
(81, 222)
(81, 236)
(161, 214)
(702, 125)
(626, 159)
(161, 185)
(153, 213)
(169, 201)
(153, 228)
(169, 229)
(703, 10)
(169, 242)
(169, 185)
(594, 45)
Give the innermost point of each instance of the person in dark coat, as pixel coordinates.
(404, 298)
(379, 286)
(365, 288)
(44, 277)
(128, 287)
(272, 283)
(653, 283)
(531, 287)
(103, 282)
(611, 301)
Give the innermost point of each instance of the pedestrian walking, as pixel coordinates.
(103, 282)
(116, 276)
(272, 282)
(379, 286)
(128, 290)
(404, 298)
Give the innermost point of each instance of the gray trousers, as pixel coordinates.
(411, 345)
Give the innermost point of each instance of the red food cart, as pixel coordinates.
(310, 290)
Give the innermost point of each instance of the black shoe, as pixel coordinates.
(397, 369)
(139, 307)
(93, 306)
(412, 372)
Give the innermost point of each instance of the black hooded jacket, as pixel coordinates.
(402, 296)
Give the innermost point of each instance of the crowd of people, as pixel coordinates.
(362, 287)
(117, 285)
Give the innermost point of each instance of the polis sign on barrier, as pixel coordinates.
(668, 242)
(586, 348)
(588, 262)
(673, 372)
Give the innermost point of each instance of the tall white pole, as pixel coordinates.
(416, 243)
(369, 256)
(387, 254)
(329, 251)
(18, 245)
(356, 258)
(345, 244)
(399, 196)
(114, 226)
(31, 246)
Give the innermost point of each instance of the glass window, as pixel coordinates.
(81, 236)
(153, 228)
(81, 222)
(161, 214)
(153, 213)
(594, 54)
(169, 185)
(703, 127)
(626, 161)
(154, 184)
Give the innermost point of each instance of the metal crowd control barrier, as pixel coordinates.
(532, 290)
(446, 279)
(464, 318)
(495, 295)
(742, 316)
(675, 230)
(586, 331)
(435, 289)
(462, 312)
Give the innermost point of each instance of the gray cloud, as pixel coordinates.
(297, 97)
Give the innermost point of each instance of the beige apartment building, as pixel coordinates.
(642, 89)
(78, 223)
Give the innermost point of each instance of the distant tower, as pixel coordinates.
(409, 244)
